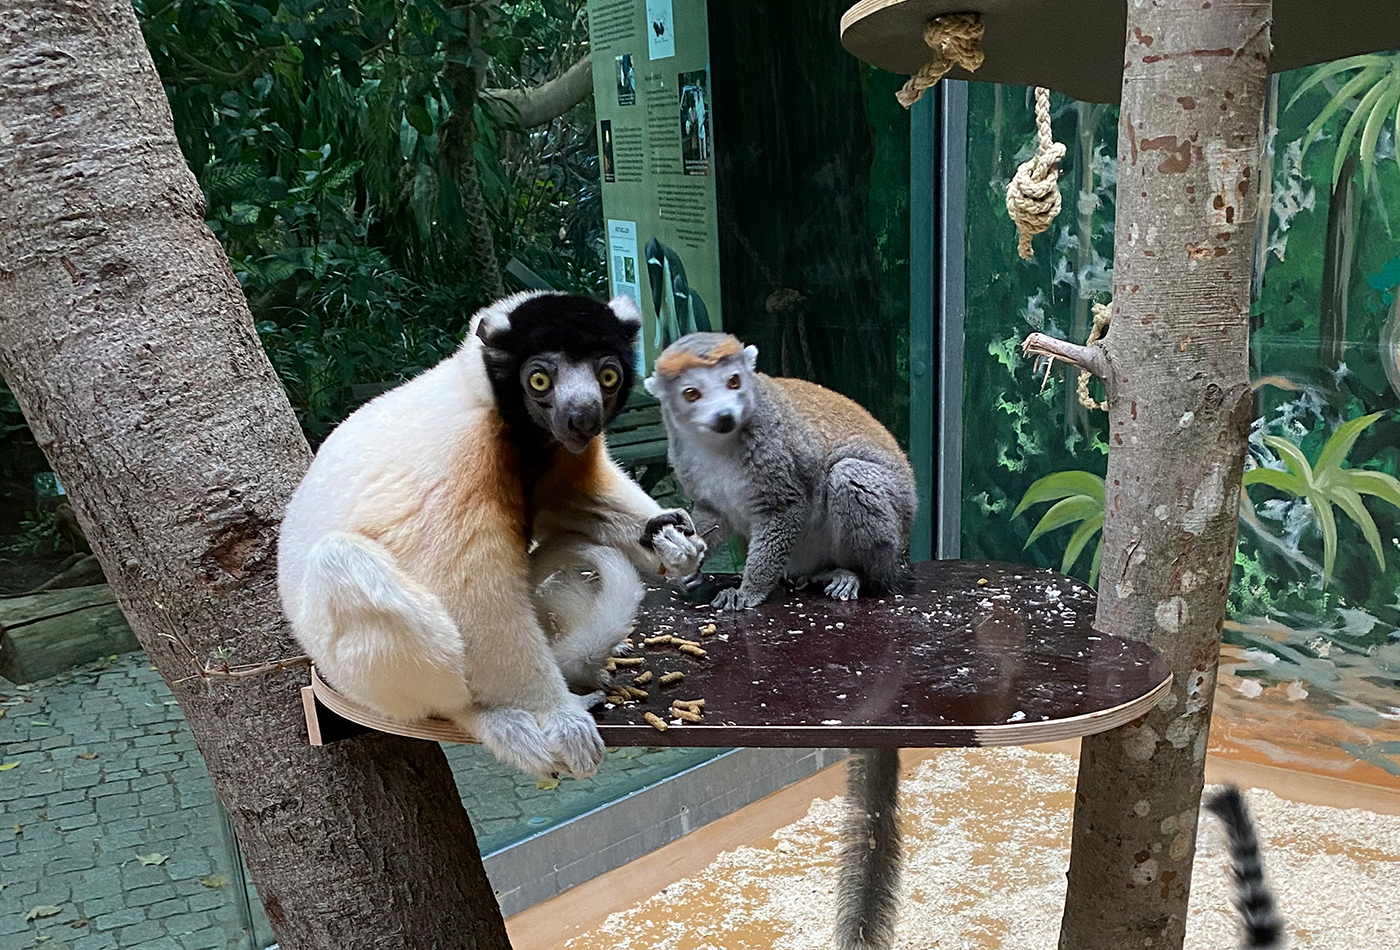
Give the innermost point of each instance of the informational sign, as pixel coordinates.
(651, 92)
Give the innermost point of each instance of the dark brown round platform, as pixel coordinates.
(1076, 46)
(974, 654)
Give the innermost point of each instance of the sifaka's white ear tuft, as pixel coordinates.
(751, 356)
(650, 385)
(494, 319)
(492, 324)
(627, 310)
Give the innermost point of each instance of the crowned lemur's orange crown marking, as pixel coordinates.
(675, 361)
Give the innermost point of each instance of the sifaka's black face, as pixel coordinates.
(561, 367)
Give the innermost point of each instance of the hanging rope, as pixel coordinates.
(1103, 314)
(1033, 196)
(956, 40)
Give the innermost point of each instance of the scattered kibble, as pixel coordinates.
(692, 649)
(673, 677)
(642, 679)
(656, 721)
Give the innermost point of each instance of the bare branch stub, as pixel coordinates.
(1092, 359)
(224, 670)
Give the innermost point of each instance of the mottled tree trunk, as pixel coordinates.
(127, 342)
(1176, 364)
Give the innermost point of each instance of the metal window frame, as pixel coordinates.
(937, 232)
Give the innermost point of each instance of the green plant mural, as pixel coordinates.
(1325, 484)
(1377, 83)
(1324, 356)
(1080, 500)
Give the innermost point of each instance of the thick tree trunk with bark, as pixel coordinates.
(1176, 366)
(127, 342)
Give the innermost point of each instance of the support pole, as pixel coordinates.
(1180, 408)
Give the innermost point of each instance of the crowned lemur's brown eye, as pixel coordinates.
(540, 381)
(734, 382)
(609, 377)
(690, 394)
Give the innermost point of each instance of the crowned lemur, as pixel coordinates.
(464, 547)
(824, 495)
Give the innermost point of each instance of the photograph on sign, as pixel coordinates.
(626, 81)
(695, 123)
(605, 135)
(661, 25)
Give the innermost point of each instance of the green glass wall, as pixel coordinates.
(1325, 370)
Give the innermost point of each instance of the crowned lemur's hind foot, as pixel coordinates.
(821, 491)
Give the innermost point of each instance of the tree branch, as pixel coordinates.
(1093, 359)
(546, 102)
(224, 670)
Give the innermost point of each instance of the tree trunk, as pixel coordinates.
(1177, 368)
(127, 342)
(459, 137)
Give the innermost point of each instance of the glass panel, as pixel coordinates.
(813, 159)
(329, 185)
(1322, 655)
(112, 834)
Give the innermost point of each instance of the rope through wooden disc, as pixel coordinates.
(1103, 315)
(1033, 196)
(956, 40)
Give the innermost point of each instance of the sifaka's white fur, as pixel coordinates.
(405, 577)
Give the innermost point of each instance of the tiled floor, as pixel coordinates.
(97, 769)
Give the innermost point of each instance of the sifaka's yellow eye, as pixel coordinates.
(609, 377)
(690, 394)
(539, 381)
(734, 382)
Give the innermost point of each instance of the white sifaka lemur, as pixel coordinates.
(464, 547)
(824, 495)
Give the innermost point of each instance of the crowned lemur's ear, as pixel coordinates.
(750, 357)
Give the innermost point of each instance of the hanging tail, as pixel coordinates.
(1263, 926)
(867, 893)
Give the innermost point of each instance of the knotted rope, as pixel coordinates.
(1033, 196)
(1103, 314)
(956, 40)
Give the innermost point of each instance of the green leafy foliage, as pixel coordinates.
(1325, 485)
(38, 533)
(316, 131)
(1079, 499)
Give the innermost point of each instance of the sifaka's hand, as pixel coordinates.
(672, 536)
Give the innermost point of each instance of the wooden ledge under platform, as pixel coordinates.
(971, 654)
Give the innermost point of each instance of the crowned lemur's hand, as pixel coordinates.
(679, 548)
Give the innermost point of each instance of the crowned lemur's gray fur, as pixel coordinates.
(824, 495)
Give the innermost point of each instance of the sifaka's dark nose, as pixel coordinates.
(586, 422)
(724, 422)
